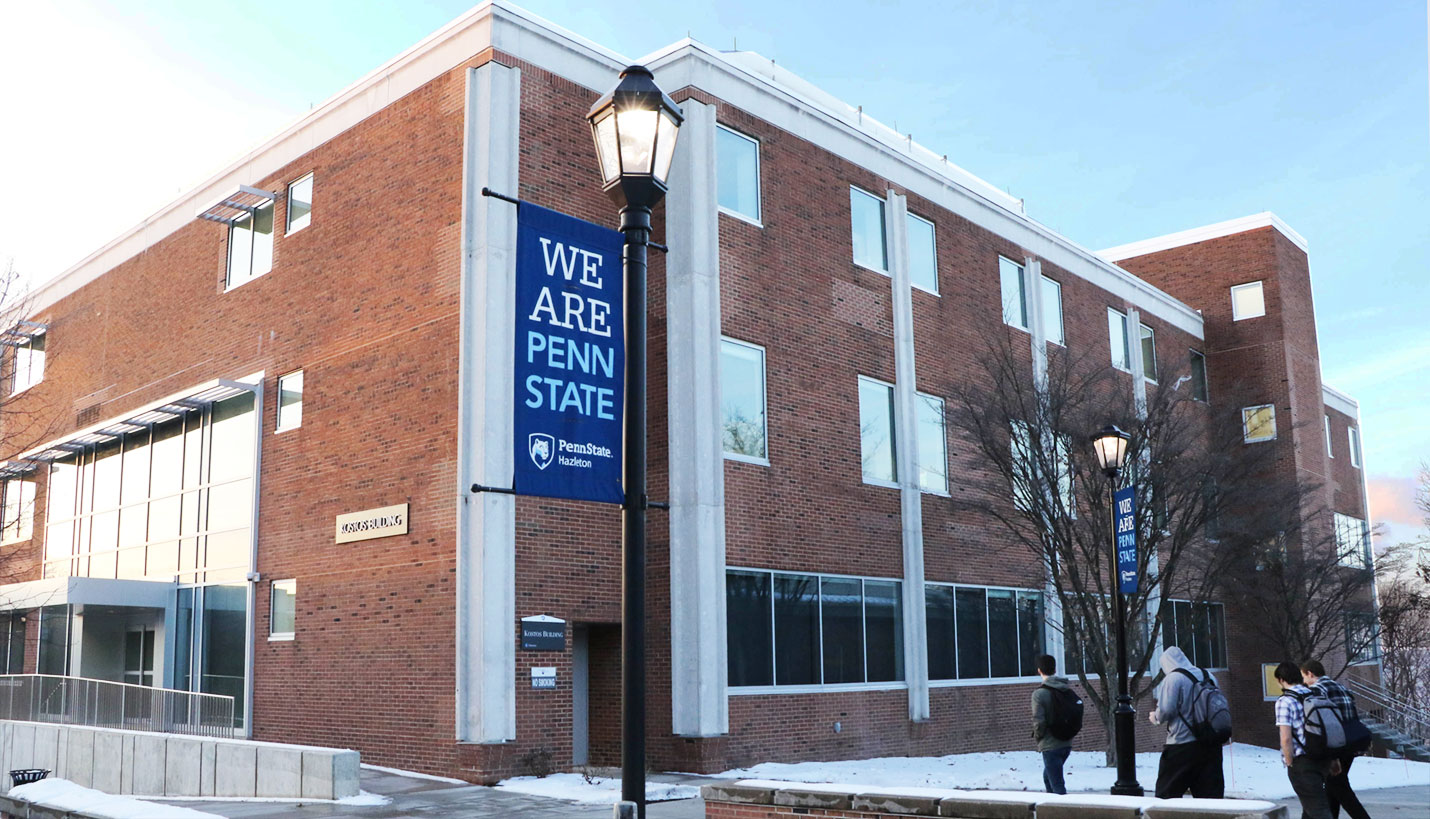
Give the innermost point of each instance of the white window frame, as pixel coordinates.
(288, 229)
(883, 238)
(1149, 374)
(21, 527)
(232, 283)
(1061, 339)
(1206, 379)
(273, 586)
(1126, 364)
(765, 409)
(1236, 314)
(938, 406)
(1025, 326)
(1353, 435)
(893, 434)
(934, 228)
(758, 219)
(1330, 452)
(32, 373)
(1246, 429)
(278, 424)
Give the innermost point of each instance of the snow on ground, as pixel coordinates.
(1251, 772)
(414, 774)
(66, 795)
(365, 799)
(598, 790)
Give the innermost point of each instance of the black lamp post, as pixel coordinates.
(635, 126)
(1110, 444)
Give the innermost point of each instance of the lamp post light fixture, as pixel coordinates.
(1110, 444)
(635, 127)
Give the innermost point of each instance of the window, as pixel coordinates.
(1053, 311)
(1149, 353)
(742, 400)
(1199, 376)
(29, 363)
(979, 633)
(805, 629)
(923, 254)
(1199, 629)
(14, 656)
(290, 401)
(1247, 301)
(866, 213)
(1117, 338)
(250, 246)
(1354, 436)
(283, 611)
(1352, 541)
(737, 172)
(876, 431)
(17, 521)
(1330, 451)
(300, 204)
(1028, 468)
(933, 449)
(1258, 423)
(1015, 303)
(1362, 637)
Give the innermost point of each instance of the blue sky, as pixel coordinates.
(1114, 121)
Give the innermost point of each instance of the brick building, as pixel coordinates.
(322, 335)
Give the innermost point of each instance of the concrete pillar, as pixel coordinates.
(916, 664)
(486, 548)
(698, 669)
(1135, 362)
(1033, 286)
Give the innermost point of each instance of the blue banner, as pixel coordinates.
(570, 357)
(1125, 520)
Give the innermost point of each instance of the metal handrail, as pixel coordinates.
(1385, 707)
(107, 704)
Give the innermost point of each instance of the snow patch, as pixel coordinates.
(599, 790)
(364, 799)
(65, 795)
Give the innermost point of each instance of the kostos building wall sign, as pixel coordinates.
(372, 523)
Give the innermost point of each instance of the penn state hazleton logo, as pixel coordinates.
(542, 448)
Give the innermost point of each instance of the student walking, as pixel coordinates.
(1338, 784)
(1308, 777)
(1057, 717)
(1188, 761)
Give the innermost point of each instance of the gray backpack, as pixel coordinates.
(1207, 714)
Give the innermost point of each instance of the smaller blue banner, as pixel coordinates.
(1125, 525)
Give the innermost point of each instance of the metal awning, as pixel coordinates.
(143, 418)
(82, 591)
(245, 202)
(22, 333)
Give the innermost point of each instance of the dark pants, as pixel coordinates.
(1308, 779)
(1340, 795)
(1053, 769)
(1193, 766)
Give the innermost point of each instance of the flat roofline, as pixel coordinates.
(1202, 234)
(1339, 401)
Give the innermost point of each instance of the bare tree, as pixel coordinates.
(24, 422)
(1040, 482)
(1403, 595)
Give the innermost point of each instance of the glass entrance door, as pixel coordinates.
(139, 657)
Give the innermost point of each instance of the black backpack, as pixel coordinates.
(1208, 715)
(1066, 719)
(1330, 732)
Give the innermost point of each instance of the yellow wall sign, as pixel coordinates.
(1270, 687)
(372, 523)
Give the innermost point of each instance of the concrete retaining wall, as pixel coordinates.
(758, 799)
(148, 764)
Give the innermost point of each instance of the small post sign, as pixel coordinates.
(543, 678)
(543, 633)
(1125, 521)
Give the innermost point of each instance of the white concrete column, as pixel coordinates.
(698, 668)
(906, 443)
(486, 523)
(1033, 287)
(1135, 362)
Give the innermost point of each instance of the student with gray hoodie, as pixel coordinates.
(1187, 764)
(1055, 750)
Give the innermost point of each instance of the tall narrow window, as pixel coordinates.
(923, 254)
(1258, 423)
(876, 431)
(749, 638)
(300, 204)
(1015, 302)
(866, 213)
(1053, 311)
(1149, 353)
(1354, 435)
(283, 612)
(250, 246)
(742, 401)
(29, 364)
(290, 400)
(1247, 301)
(1199, 376)
(1117, 339)
(737, 172)
(1330, 452)
(933, 450)
(842, 620)
(797, 629)
(18, 518)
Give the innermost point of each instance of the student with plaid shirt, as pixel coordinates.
(1338, 784)
(1308, 777)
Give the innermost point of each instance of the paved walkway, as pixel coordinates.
(1387, 803)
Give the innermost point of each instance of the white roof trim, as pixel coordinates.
(1202, 234)
(1339, 401)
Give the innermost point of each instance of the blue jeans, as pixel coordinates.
(1053, 769)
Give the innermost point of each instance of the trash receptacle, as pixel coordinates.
(24, 776)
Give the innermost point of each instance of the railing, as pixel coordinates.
(105, 704)
(1379, 704)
